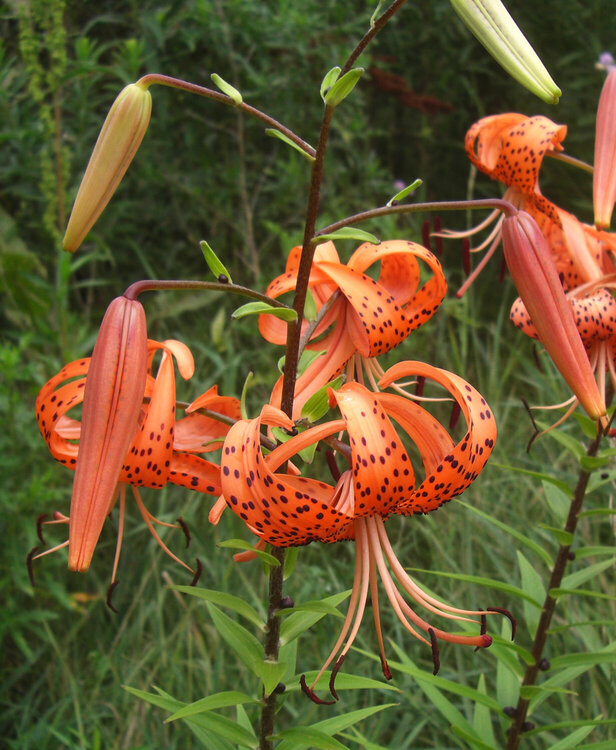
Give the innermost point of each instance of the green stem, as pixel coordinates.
(558, 571)
(194, 88)
(149, 285)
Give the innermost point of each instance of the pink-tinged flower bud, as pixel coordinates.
(534, 274)
(604, 175)
(110, 419)
(117, 143)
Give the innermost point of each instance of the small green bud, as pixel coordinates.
(490, 22)
(117, 143)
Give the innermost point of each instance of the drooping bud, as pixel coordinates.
(490, 22)
(117, 143)
(536, 278)
(604, 174)
(114, 390)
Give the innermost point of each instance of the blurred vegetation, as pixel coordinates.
(205, 172)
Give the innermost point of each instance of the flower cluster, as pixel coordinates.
(399, 459)
(510, 148)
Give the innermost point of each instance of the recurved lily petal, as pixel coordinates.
(458, 465)
(111, 406)
(604, 173)
(117, 143)
(534, 274)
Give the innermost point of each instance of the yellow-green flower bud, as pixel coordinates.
(117, 143)
(490, 22)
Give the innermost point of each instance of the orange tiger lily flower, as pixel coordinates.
(286, 510)
(150, 450)
(356, 313)
(510, 148)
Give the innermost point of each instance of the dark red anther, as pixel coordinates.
(198, 572)
(110, 590)
(184, 528)
(466, 256)
(455, 415)
(312, 695)
(39, 526)
(438, 241)
(385, 667)
(31, 554)
(536, 430)
(332, 679)
(332, 465)
(421, 380)
(502, 270)
(509, 616)
(536, 359)
(435, 658)
(425, 234)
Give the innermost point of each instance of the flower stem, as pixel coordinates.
(541, 634)
(151, 285)
(193, 88)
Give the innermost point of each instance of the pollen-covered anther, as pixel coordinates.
(108, 600)
(312, 695)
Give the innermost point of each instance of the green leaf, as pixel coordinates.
(482, 719)
(344, 681)
(213, 262)
(273, 133)
(312, 606)
(219, 700)
(583, 552)
(262, 308)
(564, 538)
(336, 724)
(224, 600)
(592, 463)
(346, 233)
(271, 673)
(556, 593)
(227, 88)
(249, 378)
(571, 724)
(342, 87)
(573, 445)
(558, 501)
(244, 545)
(576, 579)
(538, 474)
(487, 582)
(532, 545)
(317, 405)
(306, 454)
(290, 559)
(597, 512)
(573, 739)
(297, 623)
(586, 660)
(310, 306)
(328, 81)
(439, 684)
(404, 192)
(307, 357)
(470, 737)
(313, 736)
(245, 645)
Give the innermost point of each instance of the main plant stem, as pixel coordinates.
(294, 331)
(560, 564)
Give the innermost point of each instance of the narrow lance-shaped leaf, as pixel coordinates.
(227, 88)
(213, 261)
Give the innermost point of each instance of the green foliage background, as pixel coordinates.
(203, 172)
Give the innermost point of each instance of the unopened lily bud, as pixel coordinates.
(533, 271)
(114, 390)
(490, 22)
(117, 143)
(604, 174)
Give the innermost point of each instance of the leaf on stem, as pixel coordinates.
(273, 133)
(328, 81)
(342, 87)
(227, 88)
(262, 308)
(213, 262)
(346, 233)
(404, 192)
